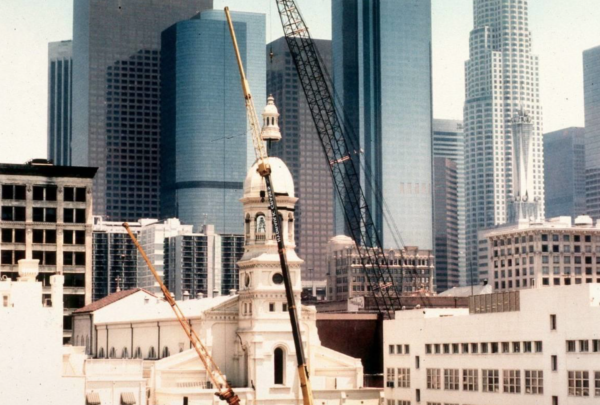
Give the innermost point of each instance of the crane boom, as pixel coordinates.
(264, 170)
(224, 391)
(341, 158)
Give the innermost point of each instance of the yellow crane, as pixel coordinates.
(224, 391)
(264, 169)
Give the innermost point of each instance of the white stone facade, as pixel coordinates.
(544, 350)
(538, 255)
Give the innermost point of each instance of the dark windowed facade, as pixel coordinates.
(303, 154)
(116, 93)
(60, 78)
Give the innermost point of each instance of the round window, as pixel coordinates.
(247, 280)
(277, 278)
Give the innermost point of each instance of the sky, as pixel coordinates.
(561, 31)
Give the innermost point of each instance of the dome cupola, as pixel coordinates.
(270, 128)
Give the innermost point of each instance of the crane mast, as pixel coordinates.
(264, 169)
(342, 159)
(224, 391)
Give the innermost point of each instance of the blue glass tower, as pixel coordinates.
(382, 77)
(205, 146)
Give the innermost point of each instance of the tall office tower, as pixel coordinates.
(591, 92)
(47, 216)
(445, 224)
(501, 79)
(60, 78)
(116, 93)
(205, 145)
(564, 172)
(301, 150)
(382, 75)
(449, 142)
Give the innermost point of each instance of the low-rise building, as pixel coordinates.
(412, 269)
(47, 215)
(528, 347)
(541, 254)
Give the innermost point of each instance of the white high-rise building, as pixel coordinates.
(501, 80)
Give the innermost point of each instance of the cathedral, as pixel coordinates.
(248, 332)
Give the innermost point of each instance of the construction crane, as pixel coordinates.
(342, 160)
(264, 169)
(224, 391)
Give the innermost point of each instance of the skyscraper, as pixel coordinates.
(60, 77)
(206, 146)
(446, 223)
(301, 150)
(382, 76)
(116, 93)
(501, 79)
(564, 172)
(591, 92)
(449, 142)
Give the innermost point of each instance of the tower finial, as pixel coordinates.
(270, 129)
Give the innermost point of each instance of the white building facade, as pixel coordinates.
(501, 79)
(541, 254)
(543, 349)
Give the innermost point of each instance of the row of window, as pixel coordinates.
(43, 193)
(484, 348)
(12, 257)
(583, 345)
(70, 215)
(45, 236)
(490, 380)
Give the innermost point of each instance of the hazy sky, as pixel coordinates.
(561, 30)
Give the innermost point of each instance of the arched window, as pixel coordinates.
(87, 345)
(247, 226)
(151, 353)
(290, 227)
(112, 354)
(279, 365)
(138, 353)
(125, 353)
(165, 352)
(101, 353)
(261, 228)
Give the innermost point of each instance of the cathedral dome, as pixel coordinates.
(283, 183)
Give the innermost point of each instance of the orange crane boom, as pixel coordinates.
(224, 391)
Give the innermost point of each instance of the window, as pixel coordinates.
(465, 348)
(527, 347)
(417, 362)
(406, 349)
(484, 348)
(13, 235)
(505, 347)
(474, 348)
(516, 347)
(74, 258)
(596, 345)
(16, 214)
(434, 379)
(75, 194)
(271, 307)
(404, 378)
(494, 347)
(455, 348)
(554, 362)
(470, 381)
(418, 395)
(402, 402)
(534, 382)
(151, 353)
(584, 345)
(597, 383)
(552, 322)
(579, 383)
(446, 348)
(428, 349)
(391, 349)
(44, 236)
(45, 258)
(74, 237)
(570, 346)
(74, 216)
(166, 352)
(13, 192)
(44, 193)
(279, 365)
(491, 380)
(511, 381)
(390, 378)
(451, 379)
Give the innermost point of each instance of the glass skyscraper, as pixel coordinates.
(382, 78)
(301, 150)
(449, 143)
(206, 146)
(501, 79)
(564, 172)
(591, 92)
(116, 93)
(60, 78)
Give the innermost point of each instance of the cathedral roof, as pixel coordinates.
(283, 183)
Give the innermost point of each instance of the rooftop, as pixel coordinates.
(48, 170)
